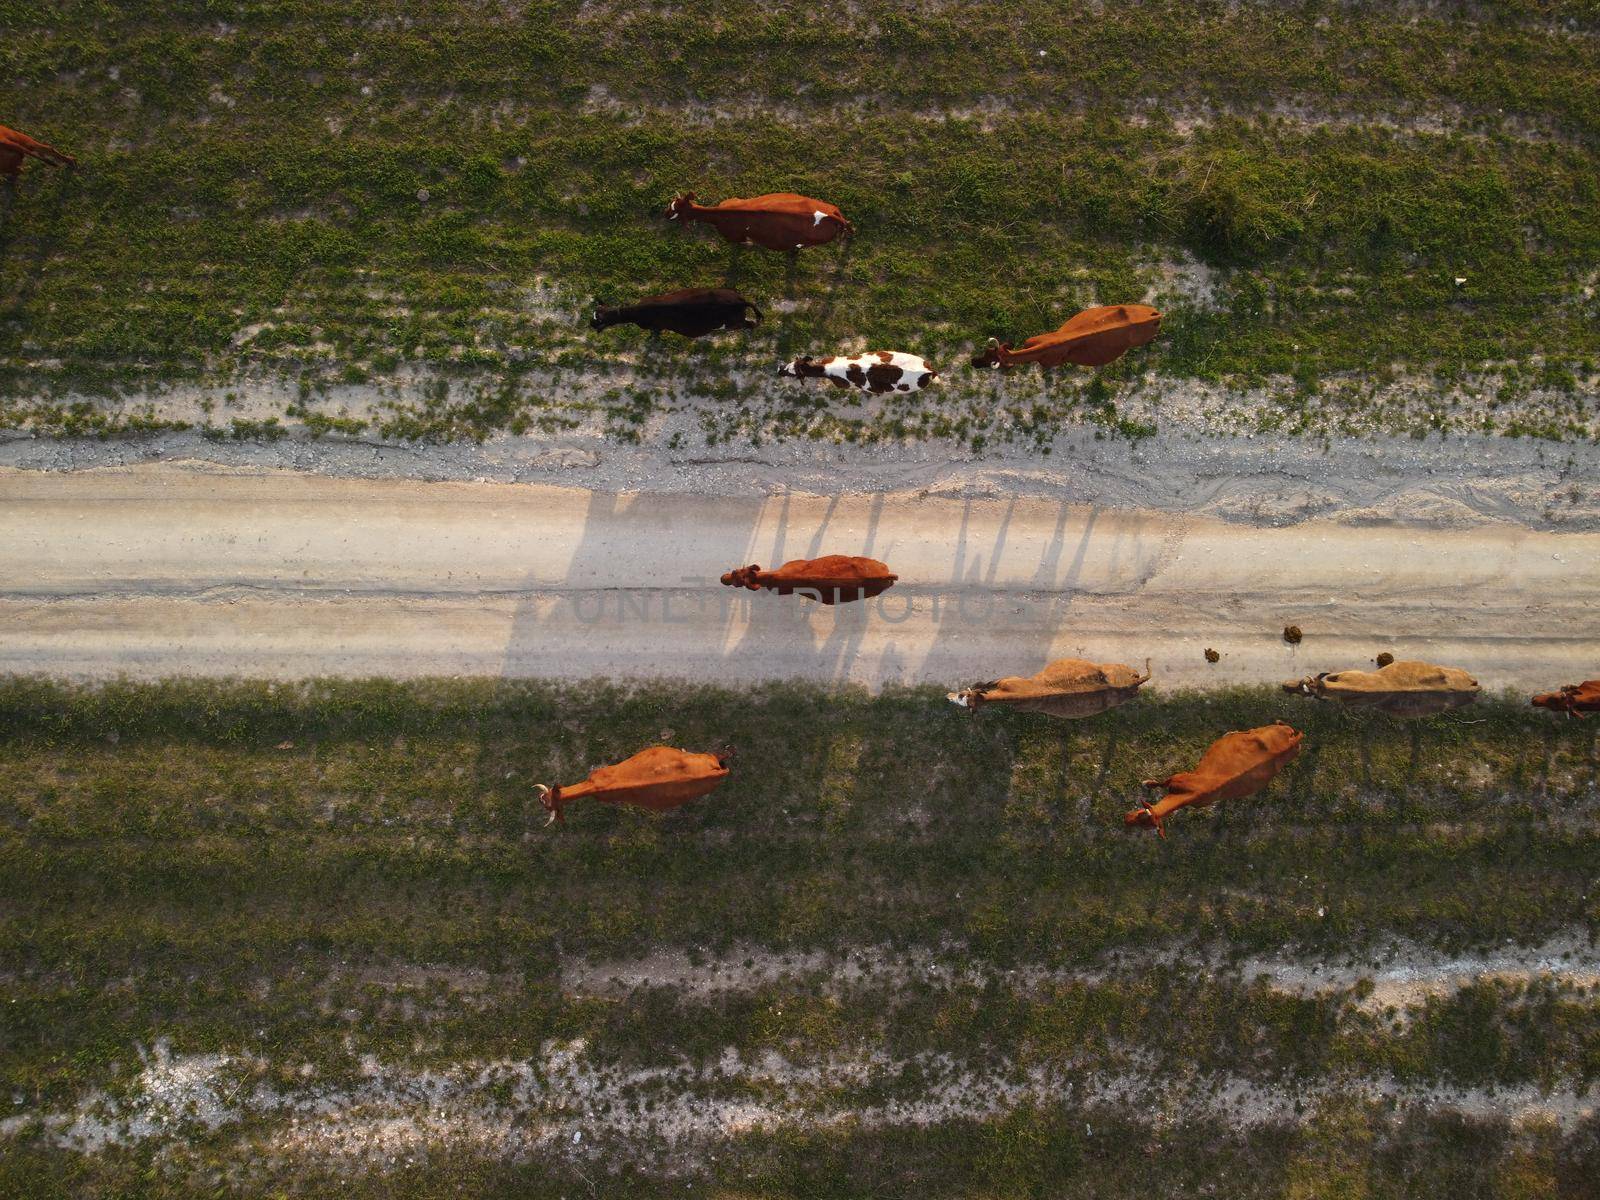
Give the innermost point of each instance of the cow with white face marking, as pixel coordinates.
(876, 371)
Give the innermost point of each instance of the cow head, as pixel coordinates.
(725, 756)
(550, 798)
(1311, 685)
(744, 577)
(680, 205)
(990, 355)
(972, 697)
(605, 316)
(1145, 815)
(1563, 701)
(801, 368)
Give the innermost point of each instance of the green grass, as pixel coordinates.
(298, 874)
(249, 196)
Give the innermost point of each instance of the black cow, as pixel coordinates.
(693, 312)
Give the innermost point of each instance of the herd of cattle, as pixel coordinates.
(791, 222)
(1236, 765)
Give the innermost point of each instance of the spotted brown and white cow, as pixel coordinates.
(876, 371)
(776, 221)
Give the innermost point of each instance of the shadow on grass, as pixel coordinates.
(52, 205)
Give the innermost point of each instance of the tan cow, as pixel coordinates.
(1574, 699)
(1401, 689)
(1093, 338)
(776, 221)
(16, 146)
(832, 579)
(1068, 687)
(1236, 765)
(658, 779)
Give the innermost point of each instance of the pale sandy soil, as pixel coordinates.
(184, 568)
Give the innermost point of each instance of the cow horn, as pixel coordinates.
(1146, 678)
(547, 797)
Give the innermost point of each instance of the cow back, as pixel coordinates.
(1239, 764)
(1404, 688)
(833, 577)
(1068, 687)
(659, 778)
(777, 220)
(1094, 337)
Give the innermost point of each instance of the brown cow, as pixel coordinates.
(1574, 699)
(1093, 338)
(1401, 689)
(1237, 765)
(15, 146)
(658, 779)
(1068, 687)
(832, 579)
(777, 221)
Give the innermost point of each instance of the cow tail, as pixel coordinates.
(760, 317)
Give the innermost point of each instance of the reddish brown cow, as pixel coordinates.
(1237, 765)
(658, 779)
(1093, 338)
(1401, 688)
(777, 221)
(1068, 687)
(832, 579)
(1574, 699)
(15, 146)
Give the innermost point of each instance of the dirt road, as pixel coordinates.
(181, 568)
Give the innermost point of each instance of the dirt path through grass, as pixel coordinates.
(170, 569)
